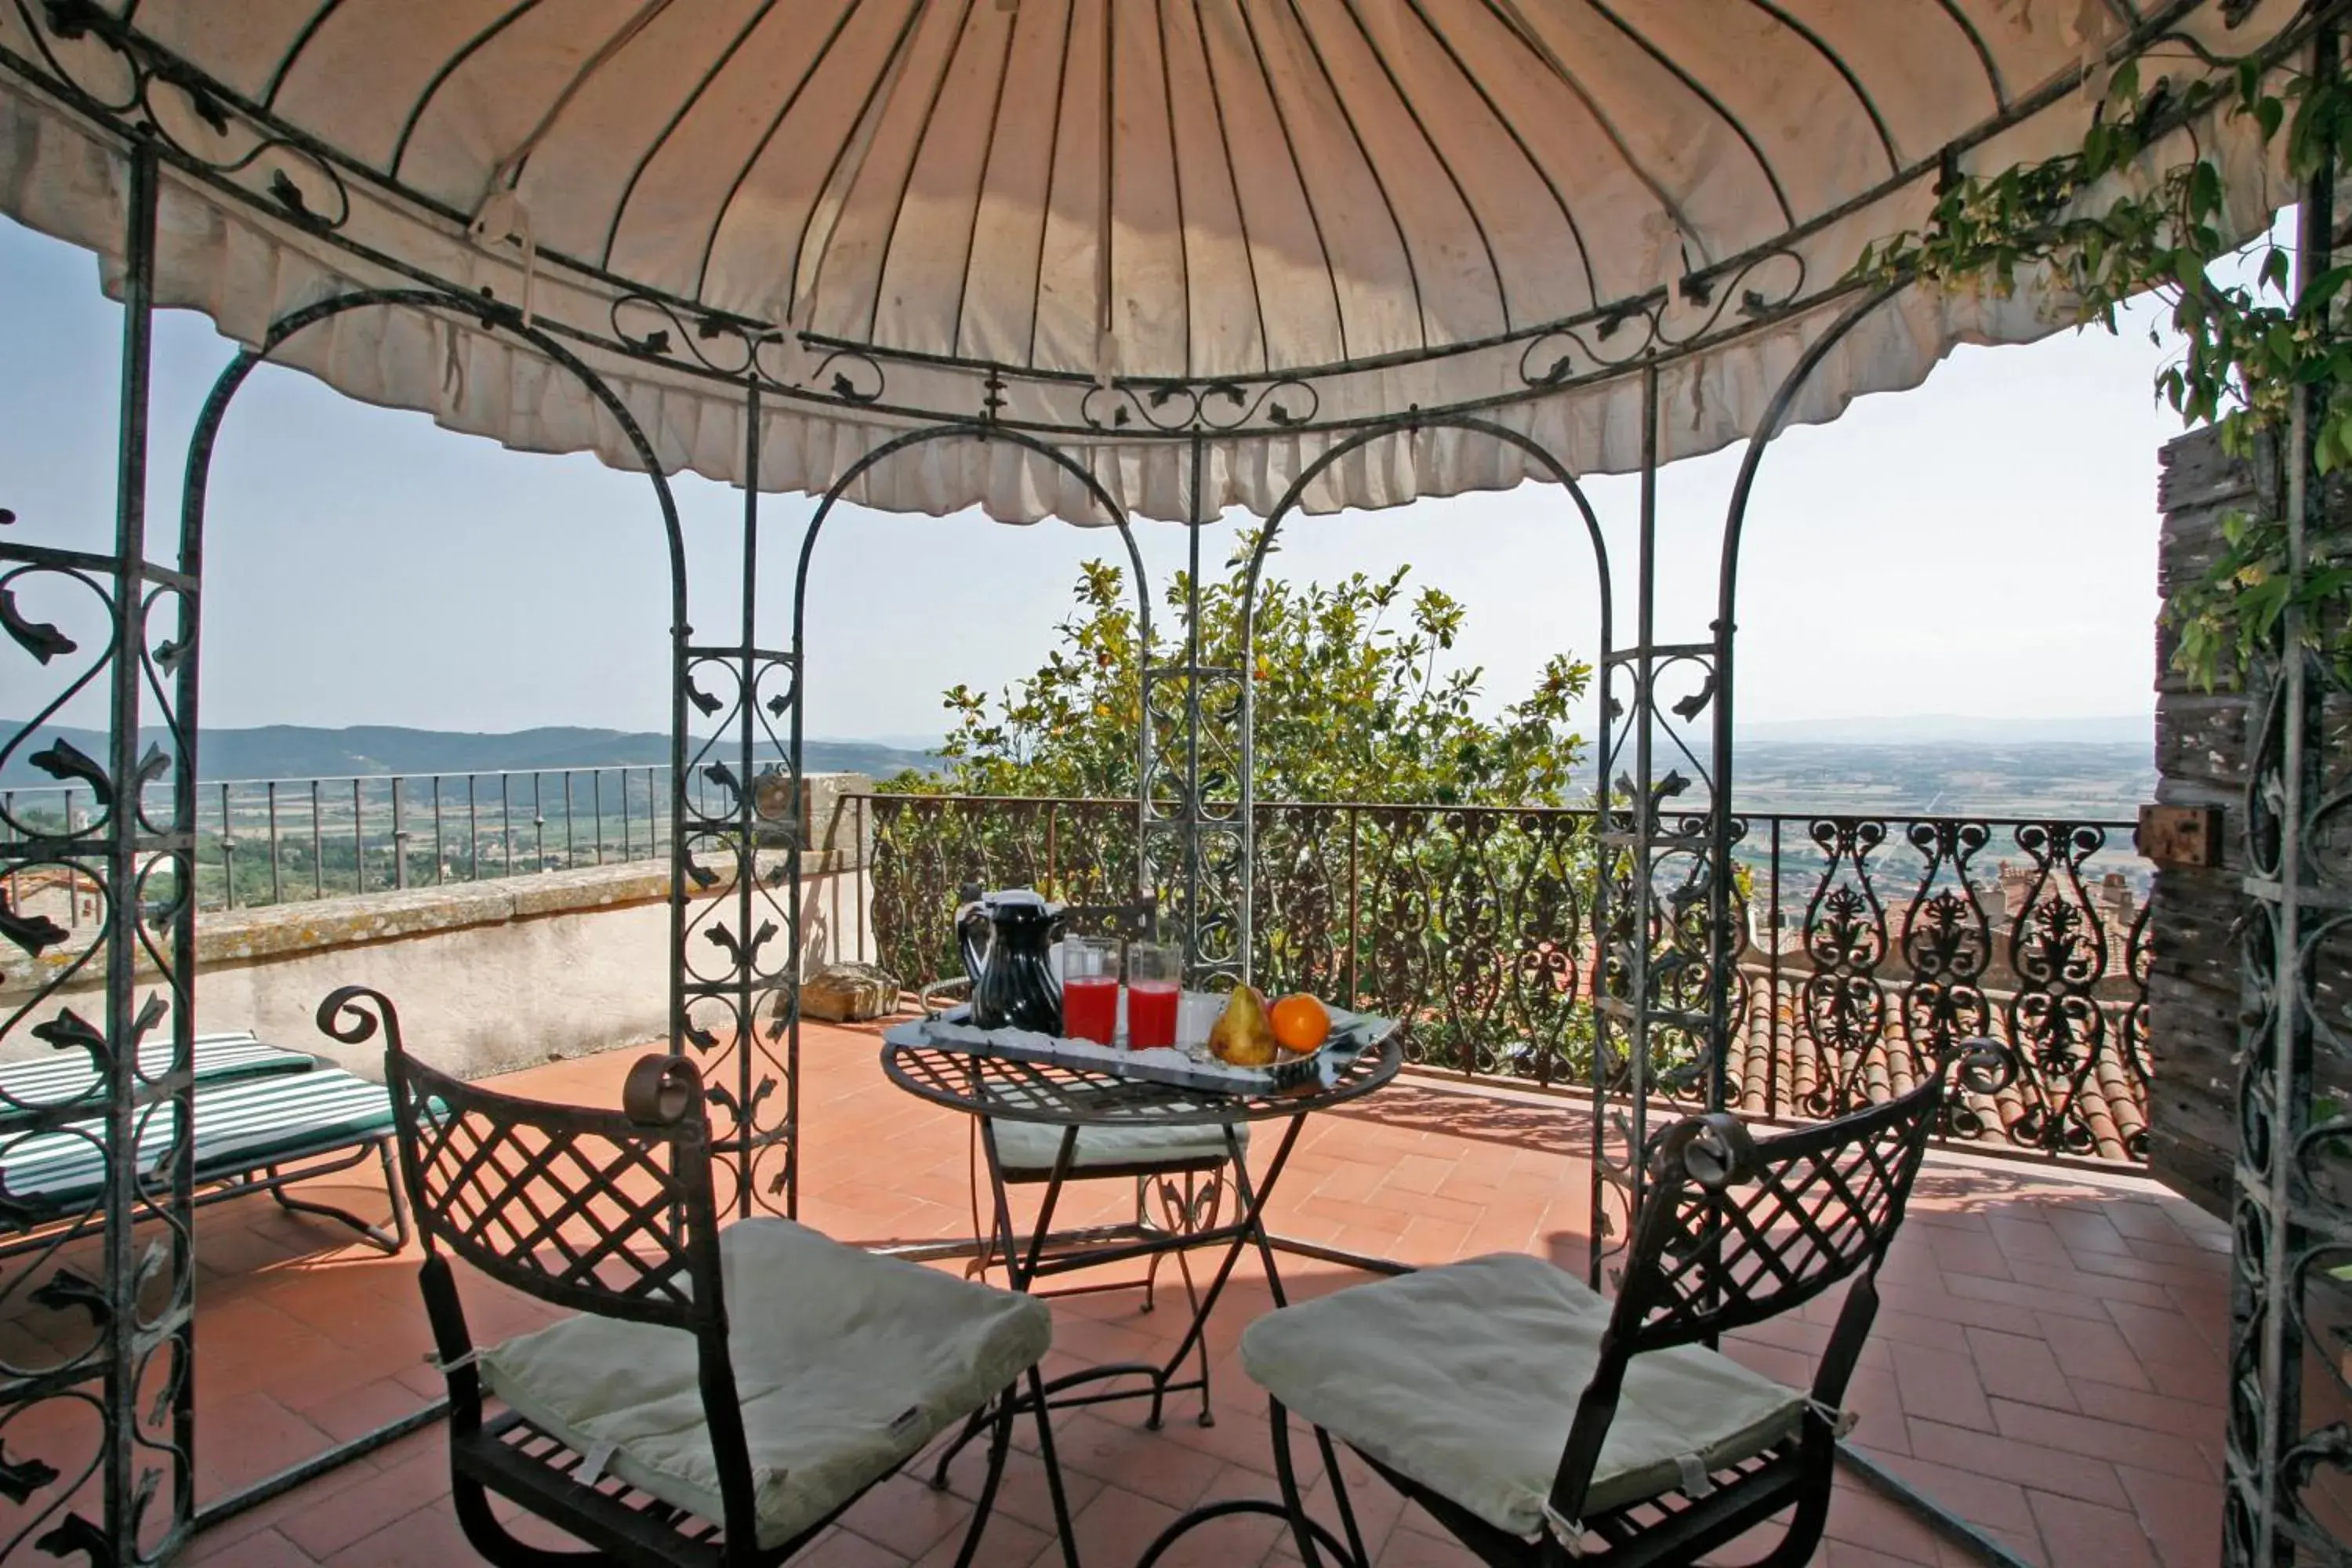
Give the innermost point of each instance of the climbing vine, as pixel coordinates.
(2111, 221)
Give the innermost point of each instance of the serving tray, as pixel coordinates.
(1181, 1066)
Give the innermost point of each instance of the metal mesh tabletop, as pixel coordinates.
(1070, 1095)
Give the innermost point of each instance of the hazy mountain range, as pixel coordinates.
(298, 751)
(2096, 767)
(1914, 729)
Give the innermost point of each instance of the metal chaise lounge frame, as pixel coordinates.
(265, 1119)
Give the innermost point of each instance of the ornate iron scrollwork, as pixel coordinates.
(740, 838)
(1193, 841)
(1171, 408)
(104, 857)
(95, 54)
(778, 359)
(1477, 922)
(1845, 1004)
(1614, 337)
(2058, 949)
(1947, 945)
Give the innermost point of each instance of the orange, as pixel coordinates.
(1301, 1024)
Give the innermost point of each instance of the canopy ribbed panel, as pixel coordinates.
(1319, 213)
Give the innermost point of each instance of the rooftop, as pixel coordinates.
(2047, 1362)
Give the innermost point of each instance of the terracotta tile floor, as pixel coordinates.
(2047, 1362)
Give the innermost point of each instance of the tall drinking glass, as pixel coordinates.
(1155, 973)
(1090, 988)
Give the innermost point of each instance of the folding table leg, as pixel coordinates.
(1252, 1198)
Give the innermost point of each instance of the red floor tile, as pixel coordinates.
(2043, 1362)
(2085, 1535)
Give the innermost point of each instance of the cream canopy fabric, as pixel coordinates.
(1305, 214)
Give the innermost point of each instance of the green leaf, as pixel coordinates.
(2205, 188)
(2123, 89)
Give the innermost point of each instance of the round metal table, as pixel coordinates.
(1075, 1097)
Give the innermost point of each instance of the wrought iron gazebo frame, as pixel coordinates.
(1665, 920)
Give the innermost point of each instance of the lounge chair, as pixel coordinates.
(266, 1118)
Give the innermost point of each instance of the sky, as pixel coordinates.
(1982, 545)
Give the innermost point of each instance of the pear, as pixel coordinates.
(1242, 1036)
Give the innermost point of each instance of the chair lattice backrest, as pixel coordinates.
(607, 1212)
(1738, 1230)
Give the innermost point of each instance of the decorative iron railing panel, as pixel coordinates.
(281, 840)
(926, 847)
(737, 1000)
(97, 1404)
(2287, 1445)
(1868, 943)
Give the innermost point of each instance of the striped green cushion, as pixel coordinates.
(42, 1082)
(240, 1127)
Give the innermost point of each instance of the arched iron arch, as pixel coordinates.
(195, 496)
(233, 377)
(1723, 944)
(834, 495)
(1548, 467)
(1551, 467)
(1604, 817)
(193, 514)
(1775, 413)
(839, 489)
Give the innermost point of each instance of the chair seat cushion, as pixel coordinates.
(846, 1363)
(1465, 1379)
(1033, 1146)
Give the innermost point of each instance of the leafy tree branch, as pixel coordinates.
(2123, 215)
(1356, 697)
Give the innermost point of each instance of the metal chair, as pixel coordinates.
(1184, 1179)
(720, 1397)
(1023, 1153)
(1543, 1426)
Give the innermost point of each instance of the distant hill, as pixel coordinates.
(1955, 729)
(1989, 777)
(297, 751)
(2028, 774)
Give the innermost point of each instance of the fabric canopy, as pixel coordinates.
(1106, 222)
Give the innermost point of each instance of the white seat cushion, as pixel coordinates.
(846, 1363)
(1465, 1379)
(1034, 1145)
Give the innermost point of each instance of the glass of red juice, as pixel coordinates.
(1155, 974)
(1090, 988)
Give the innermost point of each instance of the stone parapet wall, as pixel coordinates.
(490, 975)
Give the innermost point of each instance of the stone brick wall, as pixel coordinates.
(2200, 750)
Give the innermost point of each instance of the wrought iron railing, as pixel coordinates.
(269, 841)
(1868, 943)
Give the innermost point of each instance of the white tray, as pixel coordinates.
(1183, 1067)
